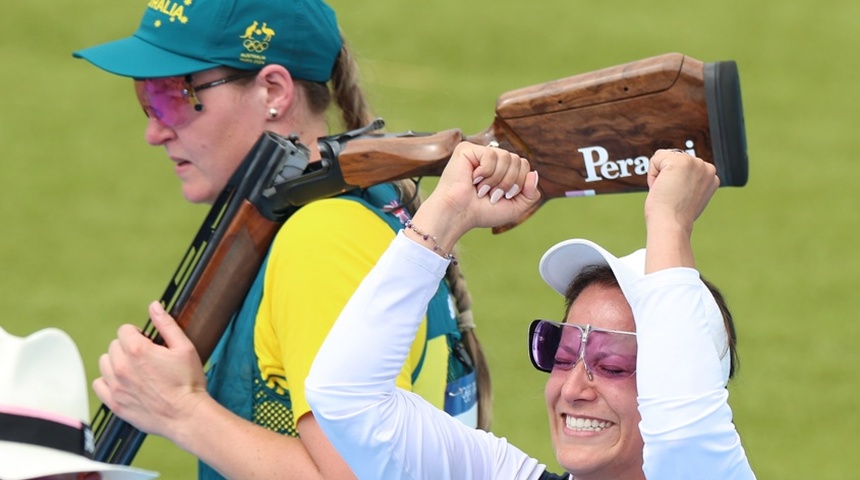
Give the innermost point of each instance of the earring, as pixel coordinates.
(273, 112)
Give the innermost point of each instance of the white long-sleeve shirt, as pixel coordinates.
(383, 432)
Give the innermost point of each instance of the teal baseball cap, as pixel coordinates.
(179, 37)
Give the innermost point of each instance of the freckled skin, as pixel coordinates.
(204, 162)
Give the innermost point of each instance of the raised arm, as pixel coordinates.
(680, 187)
(384, 432)
(682, 361)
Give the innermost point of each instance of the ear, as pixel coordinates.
(280, 90)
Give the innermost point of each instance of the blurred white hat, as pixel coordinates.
(44, 410)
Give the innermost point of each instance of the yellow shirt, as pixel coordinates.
(318, 258)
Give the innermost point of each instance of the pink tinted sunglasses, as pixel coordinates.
(608, 353)
(173, 100)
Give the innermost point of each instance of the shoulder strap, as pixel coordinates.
(382, 200)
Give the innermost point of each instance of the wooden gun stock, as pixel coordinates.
(588, 134)
(225, 278)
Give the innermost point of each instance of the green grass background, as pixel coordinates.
(93, 223)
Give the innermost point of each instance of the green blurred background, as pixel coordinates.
(93, 223)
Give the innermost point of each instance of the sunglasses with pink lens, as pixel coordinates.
(173, 100)
(608, 353)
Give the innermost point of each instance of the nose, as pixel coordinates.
(157, 133)
(578, 385)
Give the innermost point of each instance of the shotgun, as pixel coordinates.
(586, 135)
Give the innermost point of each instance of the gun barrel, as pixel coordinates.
(217, 269)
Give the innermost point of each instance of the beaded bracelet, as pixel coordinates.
(436, 247)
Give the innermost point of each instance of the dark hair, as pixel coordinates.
(593, 274)
(603, 275)
(728, 320)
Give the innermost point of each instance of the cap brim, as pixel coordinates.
(21, 461)
(136, 58)
(565, 260)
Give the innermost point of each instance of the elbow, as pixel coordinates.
(317, 399)
(321, 396)
(335, 395)
(332, 401)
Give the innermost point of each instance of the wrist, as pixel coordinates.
(429, 241)
(669, 226)
(184, 428)
(668, 245)
(436, 228)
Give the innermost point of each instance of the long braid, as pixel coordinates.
(465, 323)
(349, 96)
(356, 113)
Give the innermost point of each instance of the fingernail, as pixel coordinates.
(483, 191)
(536, 178)
(496, 196)
(513, 191)
(477, 180)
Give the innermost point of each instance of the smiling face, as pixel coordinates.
(208, 147)
(594, 423)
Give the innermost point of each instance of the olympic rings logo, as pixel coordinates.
(255, 45)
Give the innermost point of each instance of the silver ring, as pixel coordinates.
(678, 150)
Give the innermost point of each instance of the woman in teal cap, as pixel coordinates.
(212, 76)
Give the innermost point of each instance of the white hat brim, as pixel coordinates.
(565, 260)
(22, 461)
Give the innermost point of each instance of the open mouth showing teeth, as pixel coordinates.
(586, 424)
